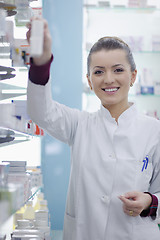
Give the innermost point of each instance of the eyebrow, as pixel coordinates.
(119, 64)
(98, 67)
(116, 65)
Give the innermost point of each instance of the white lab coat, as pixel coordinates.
(106, 161)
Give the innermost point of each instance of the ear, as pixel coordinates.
(133, 76)
(89, 81)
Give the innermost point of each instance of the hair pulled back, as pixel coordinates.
(111, 43)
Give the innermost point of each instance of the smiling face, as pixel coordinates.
(110, 77)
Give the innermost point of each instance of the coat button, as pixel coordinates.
(112, 155)
(105, 199)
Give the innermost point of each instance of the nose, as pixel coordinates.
(108, 78)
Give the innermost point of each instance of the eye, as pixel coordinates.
(118, 70)
(98, 72)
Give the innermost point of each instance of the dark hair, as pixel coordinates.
(111, 43)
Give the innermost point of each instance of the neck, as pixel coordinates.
(117, 110)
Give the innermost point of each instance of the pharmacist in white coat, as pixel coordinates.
(114, 186)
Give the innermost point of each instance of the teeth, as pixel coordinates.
(110, 89)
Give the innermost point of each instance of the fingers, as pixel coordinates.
(129, 203)
(132, 213)
(132, 204)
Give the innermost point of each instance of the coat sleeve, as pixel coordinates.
(155, 181)
(56, 119)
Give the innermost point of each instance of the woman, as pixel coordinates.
(114, 183)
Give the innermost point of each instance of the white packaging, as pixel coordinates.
(26, 237)
(23, 224)
(24, 179)
(28, 232)
(4, 170)
(7, 112)
(157, 88)
(36, 40)
(155, 42)
(42, 225)
(42, 215)
(3, 16)
(10, 31)
(21, 108)
(16, 163)
(91, 2)
(43, 205)
(36, 178)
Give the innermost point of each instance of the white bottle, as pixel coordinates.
(40, 196)
(29, 213)
(36, 39)
(43, 205)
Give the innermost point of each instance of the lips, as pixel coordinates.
(113, 89)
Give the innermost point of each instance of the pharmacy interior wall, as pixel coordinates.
(65, 24)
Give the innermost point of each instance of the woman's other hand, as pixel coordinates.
(47, 46)
(135, 202)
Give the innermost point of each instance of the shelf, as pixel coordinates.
(7, 208)
(144, 95)
(120, 8)
(11, 136)
(146, 52)
(88, 92)
(138, 52)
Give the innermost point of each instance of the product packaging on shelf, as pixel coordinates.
(147, 84)
(7, 112)
(29, 232)
(117, 3)
(29, 213)
(4, 170)
(104, 3)
(3, 15)
(17, 166)
(137, 3)
(156, 43)
(20, 53)
(157, 87)
(4, 203)
(33, 222)
(24, 179)
(36, 179)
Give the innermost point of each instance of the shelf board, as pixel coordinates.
(89, 93)
(136, 52)
(120, 8)
(145, 95)
(146, 52)
(11, 136)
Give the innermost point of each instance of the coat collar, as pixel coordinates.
(127, 115)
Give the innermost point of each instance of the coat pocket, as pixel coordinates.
(144, 175)
(69, 228)
(144, 228)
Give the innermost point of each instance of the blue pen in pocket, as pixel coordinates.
(145, 163)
